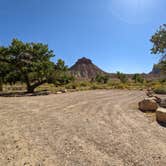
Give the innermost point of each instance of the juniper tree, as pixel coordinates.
(30, 60)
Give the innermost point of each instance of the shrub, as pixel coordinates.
(120, 86)
(160, 90)
(102, 78)
(123, 78)
(138, 78)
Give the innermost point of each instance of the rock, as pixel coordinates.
(155, 98)
(158, 100)
(64, 91)
(163, 103)
(149, 92)
(148, 104)
(59, 92)
(161, 115)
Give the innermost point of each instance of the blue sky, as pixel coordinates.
(113, 33)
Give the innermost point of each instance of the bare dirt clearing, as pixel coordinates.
(93, 128)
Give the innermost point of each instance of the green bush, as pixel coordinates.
(72, 85)
(102, 78)
(138, 78)
(122, 77)
(120, 86)
(98, 86)
(84, 84)
(160, 90)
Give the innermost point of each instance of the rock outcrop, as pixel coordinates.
(85, 69)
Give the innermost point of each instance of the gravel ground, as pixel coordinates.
(92, 128)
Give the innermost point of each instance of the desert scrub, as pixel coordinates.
(84, 84)
(160, 90)
(98, 86)
(72, 85)
(120, 86)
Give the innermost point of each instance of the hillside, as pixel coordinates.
(85, 69)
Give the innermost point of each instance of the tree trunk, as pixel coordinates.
(31, 88)
(1, 85)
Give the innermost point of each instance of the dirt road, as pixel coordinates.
(93, 128)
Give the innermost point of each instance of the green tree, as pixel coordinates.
(4, 69)
(30, 60)
(159, 45)
(62, 78)
(123, 78)
(138, 78)
(60, 65)
(102, 78)
(61, 75)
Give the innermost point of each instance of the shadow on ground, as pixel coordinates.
(23, 94)
(162, 124)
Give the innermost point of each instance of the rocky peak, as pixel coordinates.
(85, 69)
(84, 61)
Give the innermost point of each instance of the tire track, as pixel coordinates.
(89, 128)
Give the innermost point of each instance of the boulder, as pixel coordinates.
(148, 104)
(161, 115)
(163, 103)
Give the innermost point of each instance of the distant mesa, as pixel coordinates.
(85, 69)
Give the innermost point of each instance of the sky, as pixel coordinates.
(114, 34)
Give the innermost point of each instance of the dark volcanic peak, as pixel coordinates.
(85, 69)
(84, 61)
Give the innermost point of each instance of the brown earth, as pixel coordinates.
(92, 128)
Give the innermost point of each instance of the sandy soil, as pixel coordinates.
(93, 128)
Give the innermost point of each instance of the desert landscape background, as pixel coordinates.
(83, 83)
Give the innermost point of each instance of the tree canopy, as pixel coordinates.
(61, 76)
(159, 45)
(30, 60)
